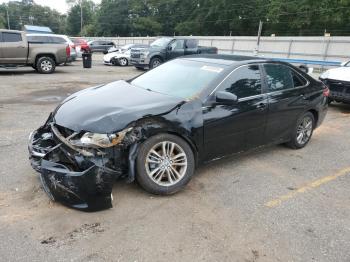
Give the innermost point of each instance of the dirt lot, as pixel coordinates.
(273, 205)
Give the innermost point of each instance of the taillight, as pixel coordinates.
(326, 92)
(68, 51)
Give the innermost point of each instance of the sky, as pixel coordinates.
(60, 5)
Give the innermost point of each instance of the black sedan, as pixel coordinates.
(158, 127)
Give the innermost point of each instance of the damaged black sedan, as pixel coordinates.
(158, 127)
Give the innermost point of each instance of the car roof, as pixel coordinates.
(226, 59)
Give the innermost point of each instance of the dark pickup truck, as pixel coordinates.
(167, 48)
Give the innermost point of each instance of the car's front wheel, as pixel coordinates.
(303, 131)
(155, 62)
(165, 164)
(123, 61)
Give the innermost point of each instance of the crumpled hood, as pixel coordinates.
(110, 108)
(341, 74)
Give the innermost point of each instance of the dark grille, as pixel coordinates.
(135, 55)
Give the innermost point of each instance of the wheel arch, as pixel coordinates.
(45, 55)
(315, 114)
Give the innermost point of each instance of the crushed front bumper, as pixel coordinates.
(67, 175)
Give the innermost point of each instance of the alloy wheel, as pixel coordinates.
(123, 61)
(304, 130)
(46, 65)
(166, 163)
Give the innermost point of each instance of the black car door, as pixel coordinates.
(175, 49)
(236, 127)
(288, 98)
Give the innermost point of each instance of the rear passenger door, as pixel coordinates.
(191, 47)
(232, 128)
(287, 96)
(13, 48)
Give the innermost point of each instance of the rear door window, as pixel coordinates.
(11, 37)
(191, 43)
(278, 77)
(244, 82)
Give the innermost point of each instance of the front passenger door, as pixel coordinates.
(233, 128)
(175, 49)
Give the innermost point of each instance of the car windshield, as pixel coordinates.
(161, 42)
(181, 78)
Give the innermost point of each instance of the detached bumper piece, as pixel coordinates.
(77, 181)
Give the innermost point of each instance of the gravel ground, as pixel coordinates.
(274, 204)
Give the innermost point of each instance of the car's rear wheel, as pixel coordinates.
(123, 61)
(303, 131)
(155, 62)
(45, 65)
(165, 164)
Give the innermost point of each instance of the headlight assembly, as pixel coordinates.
(100, 140)
(144, 54)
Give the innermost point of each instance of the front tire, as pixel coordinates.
(303, 131)
(45, 65)
(155, 62)
(165, 164)
(123, 61)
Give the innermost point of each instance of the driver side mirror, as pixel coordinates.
(170, 48)
(226, 98)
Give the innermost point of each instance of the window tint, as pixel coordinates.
(298, 80)
(244, 82)
(11, 37)
(191, 43)
(177, 44)
(279, 77)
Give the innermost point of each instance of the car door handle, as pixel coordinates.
(261, 106)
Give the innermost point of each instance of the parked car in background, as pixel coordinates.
(81, 46)
(53, 38)
(100, 45)
(120, 56)
(167, 48)
(158, 127)
(338, 81)
(16, 51)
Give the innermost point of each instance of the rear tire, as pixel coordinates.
(45, 65)
(165, 164)
(303, 131)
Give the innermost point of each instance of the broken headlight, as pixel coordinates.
(100, 140)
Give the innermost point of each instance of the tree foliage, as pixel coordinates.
(185, 17)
